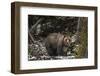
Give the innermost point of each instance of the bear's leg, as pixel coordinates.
(52, 52)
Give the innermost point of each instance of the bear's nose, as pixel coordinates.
(67, 40)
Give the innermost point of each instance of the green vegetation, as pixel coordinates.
(83, 45)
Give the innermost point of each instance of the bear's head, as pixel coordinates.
(67, 41)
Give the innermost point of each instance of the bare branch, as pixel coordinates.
(35, 25)
(78, 26)
(32, 39)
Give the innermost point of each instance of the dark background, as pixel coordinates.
(41, 26)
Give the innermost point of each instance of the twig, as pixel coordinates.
(35, 25)
(78, 26)
(31, 37)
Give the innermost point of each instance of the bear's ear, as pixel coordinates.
(65, 39)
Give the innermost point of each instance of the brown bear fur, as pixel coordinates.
(55, 43)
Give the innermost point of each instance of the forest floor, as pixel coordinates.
(37, 51)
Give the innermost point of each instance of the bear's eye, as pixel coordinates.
(66, 40)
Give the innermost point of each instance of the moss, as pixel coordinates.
(82, 46)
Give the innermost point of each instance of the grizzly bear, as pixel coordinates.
(55, 44)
